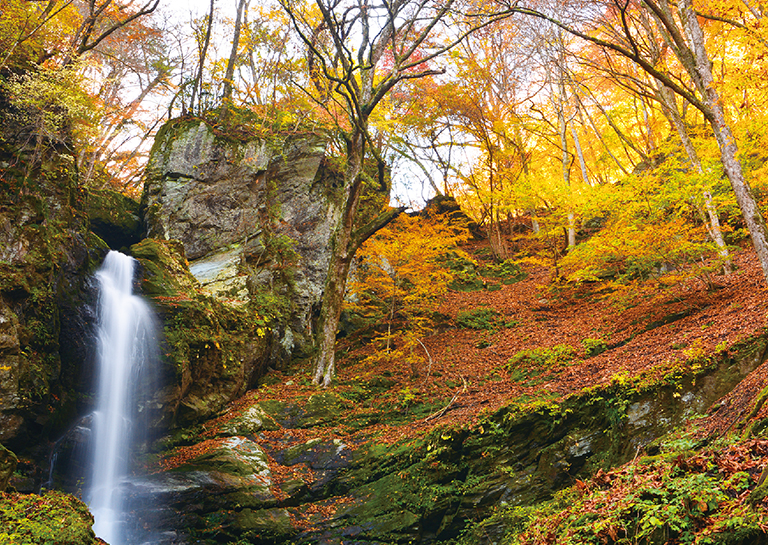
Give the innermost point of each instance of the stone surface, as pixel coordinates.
(10, 362)
(47, 255)
(230, 482)
(250, 422)
(8, 463)
(114, 218)
(244, 210)
(211, 352)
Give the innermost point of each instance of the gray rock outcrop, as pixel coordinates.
(253, 215)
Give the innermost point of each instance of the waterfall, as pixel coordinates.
(126, 346)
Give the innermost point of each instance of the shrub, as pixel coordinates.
(593, 347)
(560, 354)
(508, 271)
(483, 318)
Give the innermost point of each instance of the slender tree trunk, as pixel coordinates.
(330, 313)
(627, 142)
(725, 139)
(566, 163)
(669, 105)
(229, 75)
(197, 88)
(650, 136)
(535, 223)
(580, 155)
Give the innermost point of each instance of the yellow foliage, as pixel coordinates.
(401, 279)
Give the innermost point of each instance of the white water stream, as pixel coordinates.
(125, 344)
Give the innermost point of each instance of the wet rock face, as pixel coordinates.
(9, 372)
(8, 462)
(245, 211)
(46, 257)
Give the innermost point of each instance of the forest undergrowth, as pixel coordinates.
(590, 334)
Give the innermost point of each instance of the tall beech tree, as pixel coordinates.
(357, 52)
(609, 25)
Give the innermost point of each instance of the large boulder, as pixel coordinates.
(211, 351)
(197, 492)
(254, 217)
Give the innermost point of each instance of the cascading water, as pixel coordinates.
(126, 348)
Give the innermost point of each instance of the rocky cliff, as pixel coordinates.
(253, 216)
(47, 253)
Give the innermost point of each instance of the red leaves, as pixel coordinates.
(692, 464)
(602, 479)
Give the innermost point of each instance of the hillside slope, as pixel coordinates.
(544, 390)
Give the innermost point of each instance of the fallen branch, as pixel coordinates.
(429, 368)
(442, 411)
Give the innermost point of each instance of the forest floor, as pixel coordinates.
(646, 328)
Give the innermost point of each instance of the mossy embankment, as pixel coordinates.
(31, 519)
(211, 352)
(330, 480)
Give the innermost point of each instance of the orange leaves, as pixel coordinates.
(400, 275)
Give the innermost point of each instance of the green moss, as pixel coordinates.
(558, 355)
(8, 462)
(53, 519)
(682, 498)
(593, 347)
(263, 523)
(483, 318)
(114, 217)
(508, 271)
(210, 348)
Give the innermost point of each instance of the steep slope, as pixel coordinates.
(546, 392)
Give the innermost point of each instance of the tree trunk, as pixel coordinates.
(330, 313)
(669, 104)
(580, 154)
(535, 223)
(566, 163)
(229, 75)
(725, 140)
(338, 266)
(197, 86)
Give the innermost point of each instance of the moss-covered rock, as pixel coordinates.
(52, 519)
(250, 421)
(212, 351)
(8, 463)
(254, 215)
(264, 523)
(114, 217)
(47, 255)
(426, 489)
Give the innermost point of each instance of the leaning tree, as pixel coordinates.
(357, 53)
